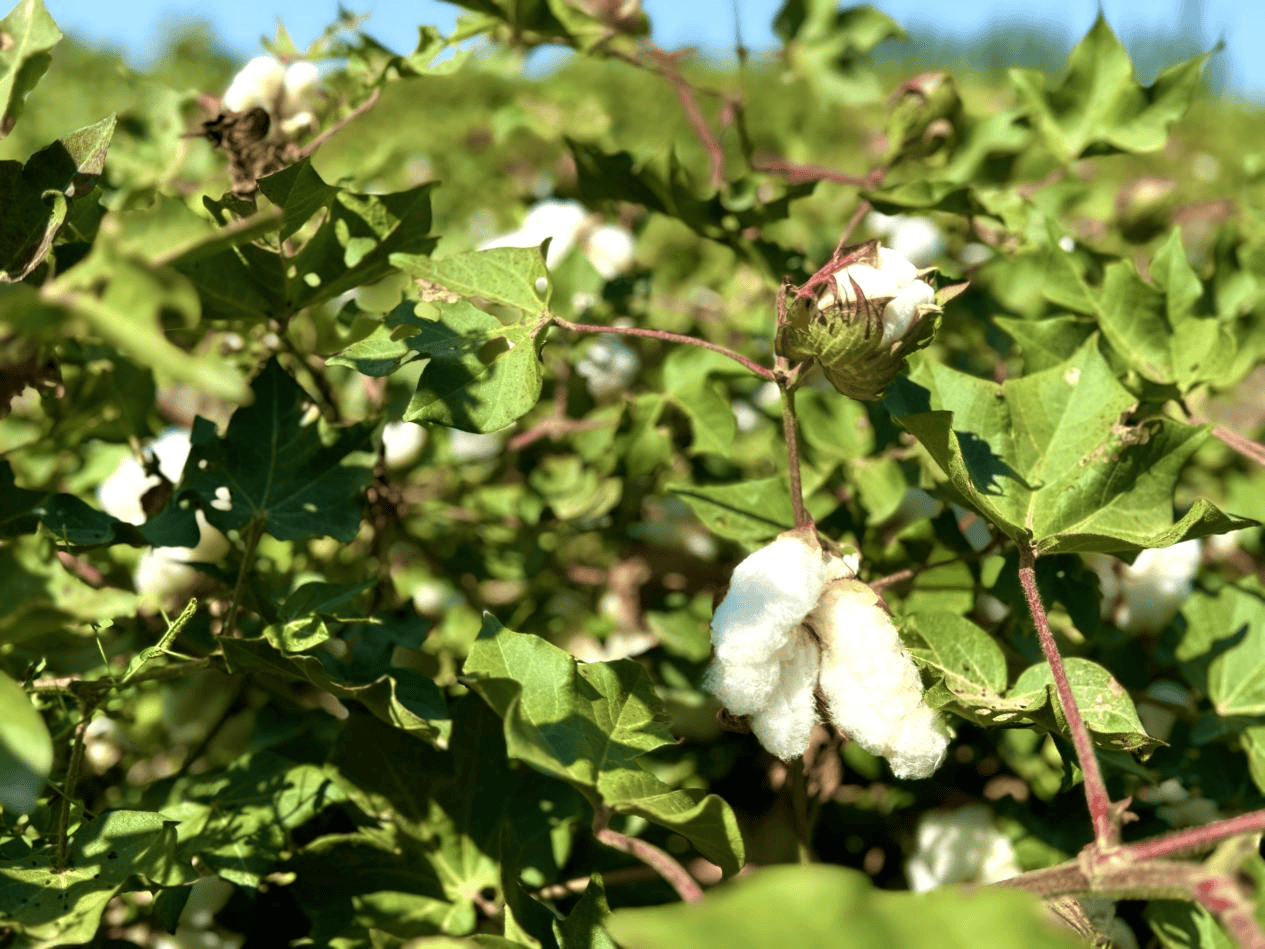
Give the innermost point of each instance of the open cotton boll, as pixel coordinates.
(561, 220)
(120, 494)
(872, 685)
(609, 366)
(610, 250)
(472, 446)
(894, 279)
(1154, 587)
(258, 84)
(401, 443)
(770, 593)
(785, 723)
(959, 846)
(165, 572)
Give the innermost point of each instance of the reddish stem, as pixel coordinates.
(1253, 451)
(1196, 838)
(660, 861)
(689, 103)
(1106, 834)
(666, 337)
(797, 173)
(342, 123)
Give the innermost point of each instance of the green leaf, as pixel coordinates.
(275, 468)
(588, 724)
(825, 46)
(835, 908)
(26, 36)
(687, 376)
(53, 906)
(1106, 707)
(749, 512)
(311, 614)
(238, 820)
(1223, 650)
(39, 195)
(1048, 459)
(1185, 926)
(403, 697)
(972, 666)
(508, 276)
(26, 749)
(72, 521)
(584, 926)
(1155, 328)
(1046, 342)
(354, 242)
(1100, 108)
(481, 376)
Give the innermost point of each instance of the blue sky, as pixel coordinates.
(133, 26)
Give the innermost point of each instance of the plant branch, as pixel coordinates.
(667, 337)
(254, 531)
(667, 63)
(1106, 824)
(790, 433)
(62, 833)
(661, 861)
(1194, 839)
(1253, 451)
(797, 173)
(342, 123)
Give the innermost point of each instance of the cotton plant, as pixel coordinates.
(796, 622)
(402, 443)
(1144, 596)
(959, 846)
(568, 225)
(608, 366)
(161, 572)
(289, 94)
(859, 317)
(914, 237)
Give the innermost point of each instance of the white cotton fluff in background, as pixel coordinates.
(914, 237)
(610, 250)
(472, 446)
(161, 572)
(1156, 585)
(959, 846)
(561, 220)
(401, 443)
(895, 279)
(609, 366)
(872, 685)
(288, 94)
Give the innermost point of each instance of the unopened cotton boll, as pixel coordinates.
(872, 686)
(1154, 587)
(610, 250)
(609, 366)
(960, 846)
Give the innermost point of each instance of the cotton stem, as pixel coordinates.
(667, 337)
(1106, 827)
(789, 432)
(660, 861)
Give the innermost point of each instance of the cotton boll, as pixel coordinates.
(610, 250)
(917, 239)
(472, 446)
(770, 593)
(746, 417)
(609, 366)
(894, 279)
(783, 726)
(120, 494)
(1154, 587)
(900, 314)
(401, 443)
(768, 398)
(974, 255)
(258, 84)
(872, 685)
(957, 847)
(560, 220)
(302, 85)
